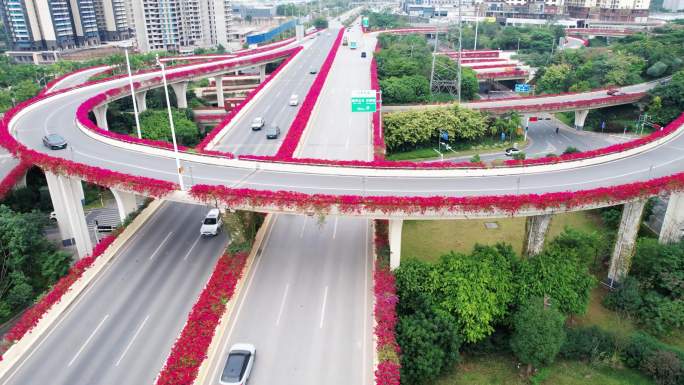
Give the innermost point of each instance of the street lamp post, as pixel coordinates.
(135, 102)
(173, 129)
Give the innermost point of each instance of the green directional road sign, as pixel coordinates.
(364, 22)
(363, 101)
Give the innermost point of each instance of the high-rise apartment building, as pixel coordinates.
(181, 25)
(49, 24)
(609, 10)
(113, 19)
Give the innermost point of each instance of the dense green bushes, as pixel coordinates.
(654, 292)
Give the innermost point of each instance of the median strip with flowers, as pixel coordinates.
(405, 205)
(387, 372)
(294, 134)
(13, 177)
(191, 347)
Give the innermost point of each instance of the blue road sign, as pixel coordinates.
(522, 87)
(444, 135)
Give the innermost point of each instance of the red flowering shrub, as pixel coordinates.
(510, 204)
(35, 313)
(51, 84)
(385, 312)
(294, 134)
(13, 177)
(493, 75)
(191, 347)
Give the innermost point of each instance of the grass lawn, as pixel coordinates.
(604, 318)
(428, 240)
(501, 370)
(487, 146)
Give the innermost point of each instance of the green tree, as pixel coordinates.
(559, 273)
(538, 333)
(24, 90)
(155, 125)
(405, 89)
(556, 79)
(320, 23)
(476, 289)
(429, 341)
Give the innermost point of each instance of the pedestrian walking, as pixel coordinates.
(557, 128)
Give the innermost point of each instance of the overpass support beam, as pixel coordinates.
(262, 73)
(141, 100)
(580, 117)
(626, 240)
(180, 89)
(66, 194)
(101, 116)
(536, 227)
(219, 91)
(673, 222)
(125, 202)
(394, 234)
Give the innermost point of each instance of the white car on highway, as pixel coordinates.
(238, 365)
(294, 100)
(211, 225)
(258, 124)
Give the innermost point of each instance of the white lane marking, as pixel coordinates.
(325, 300)
(83, 295)
(335, 228)
(132, 339)
(78, 353)
(192, 247)
(301, 234)
(244, 297)
(160, 245)
(282, 304)
(346, 144)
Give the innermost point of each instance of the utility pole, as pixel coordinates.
(434, 55)
(460, 39)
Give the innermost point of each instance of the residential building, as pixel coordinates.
(49, 24)
(673, 5)
(113, 19)
(181, 25)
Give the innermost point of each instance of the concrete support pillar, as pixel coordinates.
(66, 194)
(580, 117)
(536, 227)
(262, 73)
(101, 116)
(394, 233)
(21, 183)
(141, 100)
(180, 89)
(626, 240)
(125, 202)
(673, 221)
(219, 91)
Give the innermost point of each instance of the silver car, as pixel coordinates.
(238, 365)
(258, 124)
(54, 142)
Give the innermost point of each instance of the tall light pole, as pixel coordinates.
(477, 23)
(135, 102)
(173, 129)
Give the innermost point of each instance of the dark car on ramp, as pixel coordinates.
(54, 142)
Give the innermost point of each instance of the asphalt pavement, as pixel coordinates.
(121, 328)
(306, 304)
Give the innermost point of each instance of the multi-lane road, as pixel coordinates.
(121, 329)
(306, 305)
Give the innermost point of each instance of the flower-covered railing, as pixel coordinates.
(202, 146)
(473, 54)
(35, 313)
(599, 31)
(190, 349)
(501, 74)
(388, 369)
(294, 134)
(11, 179)
(51, 84)
(486, 66)
(566, 105)
(379, 148)
(613, 149)
(407, 205)
(82, 113)
(481, 60)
